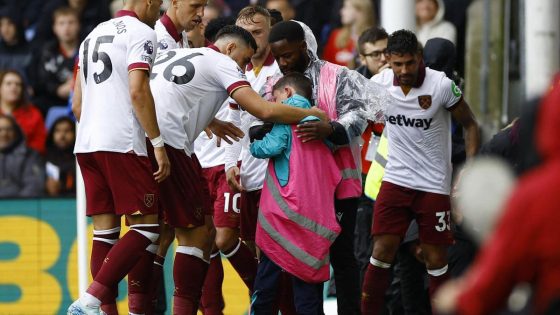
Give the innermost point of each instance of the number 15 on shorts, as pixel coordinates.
(444, 221)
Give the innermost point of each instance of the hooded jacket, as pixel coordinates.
(524, 246)
(22, 171)
(437, 27)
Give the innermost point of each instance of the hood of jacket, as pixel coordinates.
(439, 15)
(297, 101)
(548, 123)
(19, 139)
(439, 54)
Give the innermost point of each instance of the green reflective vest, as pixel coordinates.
(377, 169)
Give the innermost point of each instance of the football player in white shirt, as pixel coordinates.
(417, 179)
(189, 87)
(181, 17)
(229, 219)
(115, 108)
(171, 29)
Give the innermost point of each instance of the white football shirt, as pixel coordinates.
(252, 170)
(418, 129)
(106, 56)
(167, 35)
(189, 87)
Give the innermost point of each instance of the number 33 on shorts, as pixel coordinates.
(444, 221)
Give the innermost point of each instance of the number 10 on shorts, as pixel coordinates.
(444, 221)
(234, 203)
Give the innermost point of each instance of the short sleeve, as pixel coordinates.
(230, 76)
(451, 93)
(141, 50)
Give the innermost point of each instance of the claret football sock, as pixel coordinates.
(189, 272)
(376, 282)
(244, 262)
(212, 302)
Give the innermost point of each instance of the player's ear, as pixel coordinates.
(230, 47)
(289, 91)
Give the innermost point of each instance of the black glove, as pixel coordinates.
(258, 132)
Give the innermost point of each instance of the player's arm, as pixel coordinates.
(77, 97)
(232, 152)
(144, 108)
(462, 113)
(247, 98)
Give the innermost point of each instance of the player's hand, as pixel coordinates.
(313, 130)
(225, 130)
(164, 167)
(232, 176)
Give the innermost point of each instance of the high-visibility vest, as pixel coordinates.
(297, 223)
(377, 169)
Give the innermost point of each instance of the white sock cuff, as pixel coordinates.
(192, 251)
(152, 248)
(379, 263)
(150, 235)
(438, 272)
(216, 254)
(106, 232)
(145, 225)
(234, 251)
(106, 240)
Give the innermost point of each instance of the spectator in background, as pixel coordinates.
(371, 47)
(21, 169)
(60, 161)
(53, 79)
(14, 103)
(284, 6)
(430, 22)
(14, 49)
(356, 17)
(90, 12)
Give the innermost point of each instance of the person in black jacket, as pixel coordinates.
(15, 52)
(55, 65)
(21, 169)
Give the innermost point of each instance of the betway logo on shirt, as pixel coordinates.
(402, 120)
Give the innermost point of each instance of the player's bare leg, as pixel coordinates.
(192, 258)
(378, 273)
(106, 231)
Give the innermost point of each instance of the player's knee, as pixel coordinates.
(435, 259)
(166, 237)
(385, 249)
(225, 241)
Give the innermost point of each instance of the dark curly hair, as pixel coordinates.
(239, 33)
(403, 42)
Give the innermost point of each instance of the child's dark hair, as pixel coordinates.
(300, 83)
(403, 42)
